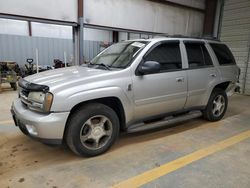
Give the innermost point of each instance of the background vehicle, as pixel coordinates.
(130, 86)
(8, 74)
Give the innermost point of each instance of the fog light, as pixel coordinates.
(32, 130)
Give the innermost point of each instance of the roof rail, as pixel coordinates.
(203, 37)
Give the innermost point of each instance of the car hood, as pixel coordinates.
(67, 77)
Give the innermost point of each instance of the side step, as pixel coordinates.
(164, 122)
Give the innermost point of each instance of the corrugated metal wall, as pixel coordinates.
(91, 49)
(19, 48)
(235, 32)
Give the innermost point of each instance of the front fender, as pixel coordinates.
(67, 103)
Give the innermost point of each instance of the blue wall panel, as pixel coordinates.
(19, 48)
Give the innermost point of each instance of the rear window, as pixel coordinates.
(223, 54)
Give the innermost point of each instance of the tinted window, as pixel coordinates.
(168, 55)
(207, 58)
(198, 55)
(223, 54)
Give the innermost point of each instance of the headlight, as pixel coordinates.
(40, 101)
(36, 97)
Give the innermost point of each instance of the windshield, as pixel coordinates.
(118, 55)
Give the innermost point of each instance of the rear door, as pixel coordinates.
(201, 73)
(228, 68)
(165, 91)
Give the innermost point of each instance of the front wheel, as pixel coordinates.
(92, 129)
(217, 105)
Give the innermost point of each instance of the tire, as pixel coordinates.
(217, 105)
(92, 129)
(13, 86)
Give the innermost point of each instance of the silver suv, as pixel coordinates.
(130, 86)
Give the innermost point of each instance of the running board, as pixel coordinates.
(164, 122)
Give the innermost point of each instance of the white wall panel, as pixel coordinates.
(123, 36)
(51, 30)
(133, 36)
(62, 10)
(235, 32)
(97, 35)
(143, 15)
(13, 27)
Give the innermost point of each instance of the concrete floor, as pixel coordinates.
(27, 163)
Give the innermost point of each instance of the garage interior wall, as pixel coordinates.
(19, 48)
(145, 15)
(235, 32)
(60, 10)
(51, 40)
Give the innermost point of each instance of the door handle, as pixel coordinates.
(213, 75)
(180, 79)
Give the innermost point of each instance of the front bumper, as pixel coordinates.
(47, 128)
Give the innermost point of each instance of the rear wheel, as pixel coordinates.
(217, 105)
(92, 129)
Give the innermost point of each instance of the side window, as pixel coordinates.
(223, 54)
(168, 55)
(207, 58)
(198, 55)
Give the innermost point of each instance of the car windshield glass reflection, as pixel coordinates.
(118, 55)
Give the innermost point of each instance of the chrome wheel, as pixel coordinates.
(96, 132)
(218, 105)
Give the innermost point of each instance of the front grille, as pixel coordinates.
(25, 92)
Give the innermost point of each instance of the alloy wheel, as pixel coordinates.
(96, 132)
(218, 105)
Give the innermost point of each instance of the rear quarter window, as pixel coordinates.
(223, 54)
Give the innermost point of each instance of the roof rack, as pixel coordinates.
(183, 36)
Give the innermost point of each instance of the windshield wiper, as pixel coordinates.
(101, 64)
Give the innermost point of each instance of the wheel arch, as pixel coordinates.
(112, 102)
(222, 85)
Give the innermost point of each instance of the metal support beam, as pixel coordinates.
(81, 41)
(218, 18)
(81, 31)
(76, 45)
(30, 28)
(78, 38)
(115, 36)
(208, 27)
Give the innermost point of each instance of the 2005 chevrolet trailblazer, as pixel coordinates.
(130, 86)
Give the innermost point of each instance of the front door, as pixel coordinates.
(164, 91)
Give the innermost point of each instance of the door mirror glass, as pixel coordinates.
(149, 67)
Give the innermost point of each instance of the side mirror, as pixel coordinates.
(149, 67)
